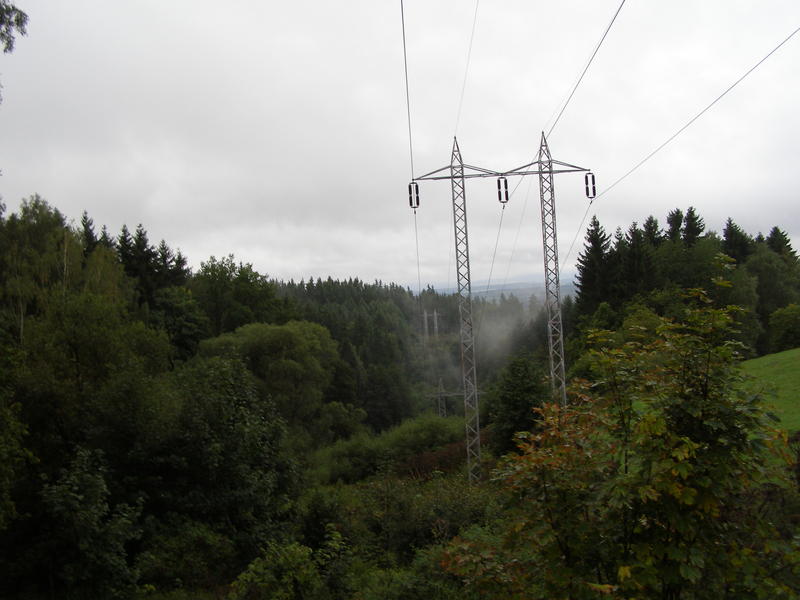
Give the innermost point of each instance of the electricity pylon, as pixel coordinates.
(552, 285)
(457, 172)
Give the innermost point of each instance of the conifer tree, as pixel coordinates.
(106, 239)
(693, 227)
(637, 269)
(88, 235)
(779, 243)
(124, 246)
(591, 282)
(652, 231)
(674, 221)
(736, 243)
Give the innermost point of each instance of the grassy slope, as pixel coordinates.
(780, 372)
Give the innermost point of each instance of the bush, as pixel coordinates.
(364, 455)
(784, 328)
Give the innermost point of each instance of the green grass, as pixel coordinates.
(780, 373)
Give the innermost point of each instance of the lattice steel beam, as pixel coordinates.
(469, 378)
(555, 333)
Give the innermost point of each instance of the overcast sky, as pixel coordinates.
(277, 131)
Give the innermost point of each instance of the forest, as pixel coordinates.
(214, 433)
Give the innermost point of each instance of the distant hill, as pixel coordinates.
(781, 372)
(530, 294)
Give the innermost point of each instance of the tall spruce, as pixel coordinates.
(88, 236)
(693, 227)
(592, 282)
(779, 243)
(736, 243)
(652, 231)
(637, 268)
(674, 223)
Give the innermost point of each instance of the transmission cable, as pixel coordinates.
(411, 151)
(466, 69)
(519, 227)
(697, 116)
(553, 126)
(496, 242)
(491, 267)
(408, 97)
(586, 68)
(672, 137)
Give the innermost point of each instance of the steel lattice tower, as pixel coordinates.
(469, 378)
(457, 172)
(555, 333)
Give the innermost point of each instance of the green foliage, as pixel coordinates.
(234, 294)
(372, 325)
(777, 281)
(12, 21)
(104, 406)
(674, 222)
(761, 275)
(423, 579)
(186, 553)
(779, 243)
(364, 454)
(295, 365)
(521, 387)
(223, 458)
(736, 243)
(88, 537)
(176, 312)
(654, 483)
(693, 227)
(784, 328)
(388, 518)
(12, 457)
(296, 572)
(285, 572)
(592, 279)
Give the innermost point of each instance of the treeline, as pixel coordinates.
(646, 264)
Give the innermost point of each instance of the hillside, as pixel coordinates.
(780, 371)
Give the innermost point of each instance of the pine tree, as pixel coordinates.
(591, 282)
(125, 247)
(89, 238)
(636, 269)
(736, 243)
(106, 239)
(652, 231)
(674, 221)
(779, 243)
(693, 227)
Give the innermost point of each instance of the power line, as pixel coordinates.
(416, 244)
(408, 98)
(496, 242)
(586, 68)
(553, 126)
(519, 228)
(577, 233)
(491, 268)
(698, 115)
(466, 69)
(673, 136)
